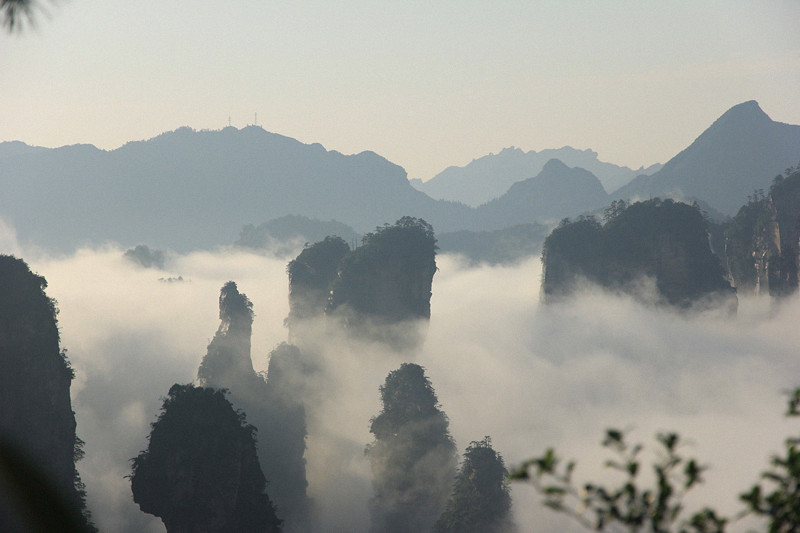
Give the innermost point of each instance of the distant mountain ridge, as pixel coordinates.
(186, 189)
(740, 152)
(558, 191)
(490, 176)
(189, 189)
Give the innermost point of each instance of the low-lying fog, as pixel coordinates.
(502, 365)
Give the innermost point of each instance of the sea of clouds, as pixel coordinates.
(502, 364)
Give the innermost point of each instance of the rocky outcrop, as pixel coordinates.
(413, 456)
(36, 416)
(389, 277)
(274, 408)
(283, 446)
(311, 278)
(374, 290)
(663, 241)
(761, 241)
(227, 364)
(200, 472)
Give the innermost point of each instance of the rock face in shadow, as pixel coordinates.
(283, 446)
(389, 276)
(200, 471)
(36, 417)
(413, 457)
(377, 291)
(761, 241)
(659, 240)
(227, 364)
(274, 407)
(311, 278)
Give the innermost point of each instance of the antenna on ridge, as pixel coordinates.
(229, 121)
(255, 120)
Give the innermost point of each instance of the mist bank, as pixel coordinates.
(501, 364)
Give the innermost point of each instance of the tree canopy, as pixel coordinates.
(413, 457)
(200, 469)
(480, 501)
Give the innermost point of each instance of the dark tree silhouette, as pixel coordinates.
(14, 10)
(630, 504)
(36, 418)
(413, 457)
(200, 471)
(480, 501)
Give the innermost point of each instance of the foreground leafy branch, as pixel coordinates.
(659, 509)
(628, 505)
(780, 502)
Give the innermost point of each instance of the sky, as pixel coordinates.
(425, 84)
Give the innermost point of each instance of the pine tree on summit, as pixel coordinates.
(413, 457)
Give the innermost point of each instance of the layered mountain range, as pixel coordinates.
(189, 189)
(740, 152)
(488, 177)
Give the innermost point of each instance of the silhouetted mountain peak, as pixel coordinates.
(554, 166)
(739, 153)
(746, 111)
(738, 120)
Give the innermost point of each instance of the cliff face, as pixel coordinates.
(373, 289)
(200, 472)
(761, 241)
(311, 278)
(227, 363)
(274, 408)
(389, 277)
(660, 240)
(35, 409)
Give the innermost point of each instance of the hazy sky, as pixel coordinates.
(425, 84)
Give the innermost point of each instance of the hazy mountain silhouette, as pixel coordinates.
(187, 189)
(191, 189)
(556, 192)
(490, 176)
(12, 148)
(740, 152)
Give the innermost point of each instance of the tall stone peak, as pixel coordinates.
(228, 363)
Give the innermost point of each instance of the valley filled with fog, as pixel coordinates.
(501, 364)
